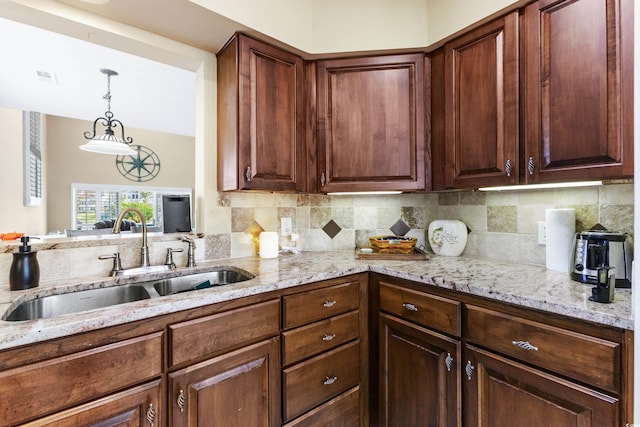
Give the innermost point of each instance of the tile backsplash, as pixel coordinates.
(504, 225)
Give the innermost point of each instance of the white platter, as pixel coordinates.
(447, 237)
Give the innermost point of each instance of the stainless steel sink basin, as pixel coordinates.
(218, 277)
(74, 302)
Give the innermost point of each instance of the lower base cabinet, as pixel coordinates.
(238, 389)
(501, 393)
(419, 376)
(136, 407)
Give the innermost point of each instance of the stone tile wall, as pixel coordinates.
(504, 225)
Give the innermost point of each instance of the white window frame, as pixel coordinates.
(33, 163)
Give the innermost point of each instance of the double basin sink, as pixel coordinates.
(75, 302)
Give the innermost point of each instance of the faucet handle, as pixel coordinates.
(117, 265)
(169, 259)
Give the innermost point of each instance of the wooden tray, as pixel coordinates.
(415, 256)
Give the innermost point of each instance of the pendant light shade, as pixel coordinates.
(109, 142)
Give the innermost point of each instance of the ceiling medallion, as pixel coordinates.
(142, 166)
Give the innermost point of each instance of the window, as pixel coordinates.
(96, 206)
(32, 163)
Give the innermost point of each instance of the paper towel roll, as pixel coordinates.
(269, 244)
(561, 229)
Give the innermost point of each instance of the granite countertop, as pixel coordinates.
(525, 285)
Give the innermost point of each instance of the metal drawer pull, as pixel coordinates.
(525, 345)
(328, 337)
(151, 414)
(329, 304)
(248, 174)
(181, 401)
(448, 361)
(531, 166)
(323, 179)
(469, 369)
(330, 380)
(508, 167)
(410, 306)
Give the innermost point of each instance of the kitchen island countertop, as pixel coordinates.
(523, 285)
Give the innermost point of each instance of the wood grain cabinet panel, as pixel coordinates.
(260, 117)
(481, 106)
(499, 392)
(371, 123)
(341, 411)
(578, 89)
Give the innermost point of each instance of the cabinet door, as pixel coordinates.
(419, 376)
(238, 389)
(261, 132)
(135, 407)
(371, 123)
(481, 106)
(499, 392)
(578, 89)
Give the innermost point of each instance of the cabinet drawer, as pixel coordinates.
(42, 388)
(585, 358)
(343, 410)
(309, 340)
(427, 310)
(310, 383)
(310, 306)
(224, 331)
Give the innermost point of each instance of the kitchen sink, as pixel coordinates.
(75, 302)
(218, 277)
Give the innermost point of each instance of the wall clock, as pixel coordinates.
(140, 167)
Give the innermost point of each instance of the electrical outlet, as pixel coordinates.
(286, 227)
(542, 233)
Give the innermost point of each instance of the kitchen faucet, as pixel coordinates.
(144, 251)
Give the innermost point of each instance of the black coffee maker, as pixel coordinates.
(605, 285)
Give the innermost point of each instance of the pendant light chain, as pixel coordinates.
(107, 95)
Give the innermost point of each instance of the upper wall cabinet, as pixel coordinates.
(371, 123)
(260, 117)
(578, 96)
(481, 106)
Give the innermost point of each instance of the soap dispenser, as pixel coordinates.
(25, 271)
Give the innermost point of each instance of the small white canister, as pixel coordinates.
(269, 244)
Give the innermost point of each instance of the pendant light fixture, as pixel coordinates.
(109, 142)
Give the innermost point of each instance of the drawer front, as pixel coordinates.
(309, 340)
(311, 383)
(214, 334)
(343, 410)
(582, 357)
(45, 387)
(310, 306)
(427, 310)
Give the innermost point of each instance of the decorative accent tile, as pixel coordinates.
(413, 216)
(241, 218)
(332, 229)
(502, 219)
(400, 228)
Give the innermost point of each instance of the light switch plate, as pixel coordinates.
(286, 227)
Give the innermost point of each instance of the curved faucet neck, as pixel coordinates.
(116, 230)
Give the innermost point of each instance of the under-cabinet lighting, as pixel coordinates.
(363, 193)
(543, 186)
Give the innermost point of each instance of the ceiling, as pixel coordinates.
(146, 94)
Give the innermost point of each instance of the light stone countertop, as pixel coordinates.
(524, 285)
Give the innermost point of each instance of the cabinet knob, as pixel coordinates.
(323, 179)
(448, 361)
(531, 166)
(329, 380)
(525, 345)
(328, 337)
(247, 174)
(181, 400)
(508, 167)
(151, 415)
(328, 304)
(469, 370)
(410, 307)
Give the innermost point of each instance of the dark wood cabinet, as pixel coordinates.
(261, 117)
(481, 106)
(419, 376)
(371, 123)
(239, 389)
(499, 391)
(578, 90)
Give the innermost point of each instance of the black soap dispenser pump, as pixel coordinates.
(25, 271)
